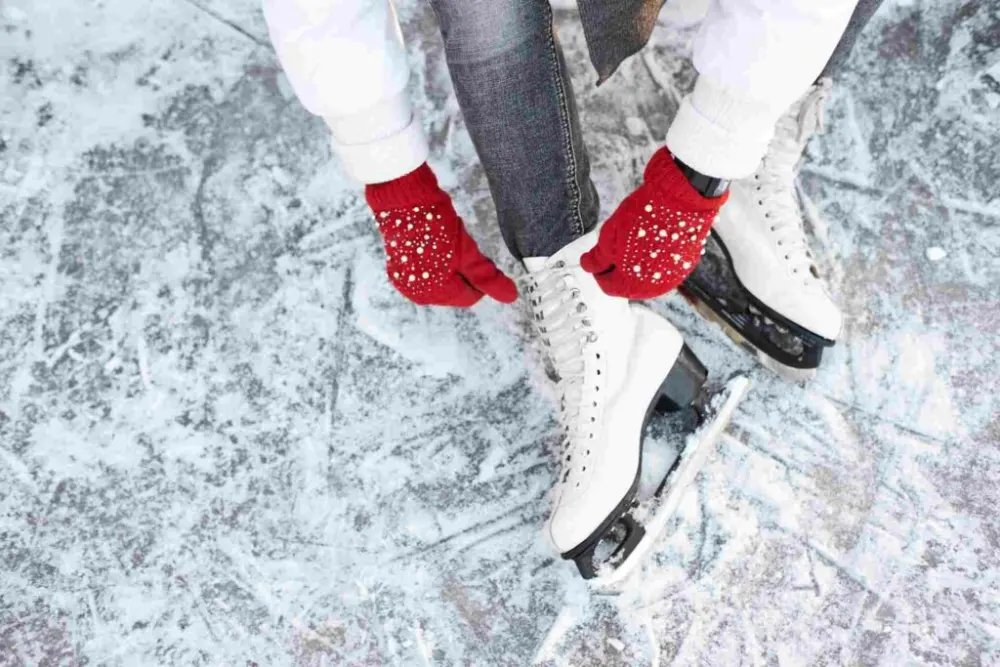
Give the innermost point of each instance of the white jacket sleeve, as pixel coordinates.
(346, 62)
(754, 59)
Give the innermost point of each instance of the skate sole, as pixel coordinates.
(790, 368)
(693, 459)
(789, 373)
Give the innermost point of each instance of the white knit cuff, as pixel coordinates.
(381, 145)
(720, 131)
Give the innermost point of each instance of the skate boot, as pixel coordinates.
(616, 363)
(757, 277)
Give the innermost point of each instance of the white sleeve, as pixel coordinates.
(754, 59)
(346, 62)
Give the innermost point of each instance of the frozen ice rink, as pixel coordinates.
(225, 439)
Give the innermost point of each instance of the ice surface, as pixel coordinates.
(224, 439)
(935, 254)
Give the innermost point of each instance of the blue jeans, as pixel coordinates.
(510, 79)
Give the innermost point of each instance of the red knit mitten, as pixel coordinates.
(432, 260)
(654, 239)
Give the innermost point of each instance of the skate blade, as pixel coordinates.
(702, 308)
(700, 446)
(781, 370)
(787, 372)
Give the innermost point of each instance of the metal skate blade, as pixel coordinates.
(699, 447)
(781, 370)
(787, 372)
(711, 316)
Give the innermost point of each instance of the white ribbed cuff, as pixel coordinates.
(383, 119)
(382, 143)
(720, 131)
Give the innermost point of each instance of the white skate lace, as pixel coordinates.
(776, 176)
(560, 317)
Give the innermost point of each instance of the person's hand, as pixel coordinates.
(655, 237)
(431, 259)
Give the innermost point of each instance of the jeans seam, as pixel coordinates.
(575, 194)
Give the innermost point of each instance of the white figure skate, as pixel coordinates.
(757, 278)
(616, 362)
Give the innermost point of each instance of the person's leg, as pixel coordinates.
(511, 82)
(759, 257)
(859, 19)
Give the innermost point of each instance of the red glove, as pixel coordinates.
(432, 260)
(654, 239)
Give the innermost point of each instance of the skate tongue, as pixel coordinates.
(535, 264)
(811, 118)
(795, 128)
(569, 254)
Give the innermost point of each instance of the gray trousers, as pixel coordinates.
(859, 19)
(510, 79)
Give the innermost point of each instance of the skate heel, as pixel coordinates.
(683, 385)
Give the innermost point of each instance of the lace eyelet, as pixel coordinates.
(560, 264)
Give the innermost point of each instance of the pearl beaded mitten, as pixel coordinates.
(654, 239)
(431, 259)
